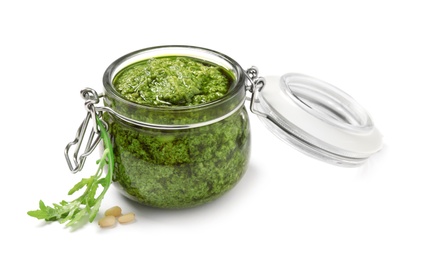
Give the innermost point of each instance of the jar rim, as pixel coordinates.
(174, 50)
(175, 117)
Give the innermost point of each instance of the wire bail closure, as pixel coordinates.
(255, 85)
(76, 160)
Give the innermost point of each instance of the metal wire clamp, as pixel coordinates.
(76, 160)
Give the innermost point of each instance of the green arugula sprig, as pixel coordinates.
(74, 212)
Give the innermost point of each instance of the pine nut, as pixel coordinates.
(126, 218)
(115, 211)
(107, 221)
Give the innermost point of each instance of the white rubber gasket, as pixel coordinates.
(318, 119)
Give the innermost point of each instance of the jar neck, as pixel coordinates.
(175, 117)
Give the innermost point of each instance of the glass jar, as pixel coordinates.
(178, 156)
(184, 156)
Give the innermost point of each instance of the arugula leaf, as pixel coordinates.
(87, 205)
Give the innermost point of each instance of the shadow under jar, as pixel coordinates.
(179, 155)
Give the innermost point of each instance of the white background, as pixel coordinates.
(287, 206)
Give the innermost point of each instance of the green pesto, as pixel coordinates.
(172, 81)
(180, 168)
(184, 168)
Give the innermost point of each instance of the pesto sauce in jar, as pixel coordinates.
(185, 167)
(172, 81)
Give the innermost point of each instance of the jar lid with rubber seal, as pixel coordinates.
(316, 118)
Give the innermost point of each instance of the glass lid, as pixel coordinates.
(316, 118)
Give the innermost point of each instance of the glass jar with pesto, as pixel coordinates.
(180, 130)
(179, 127)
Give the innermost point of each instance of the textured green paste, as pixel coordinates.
(172, 81)
(177, 168)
